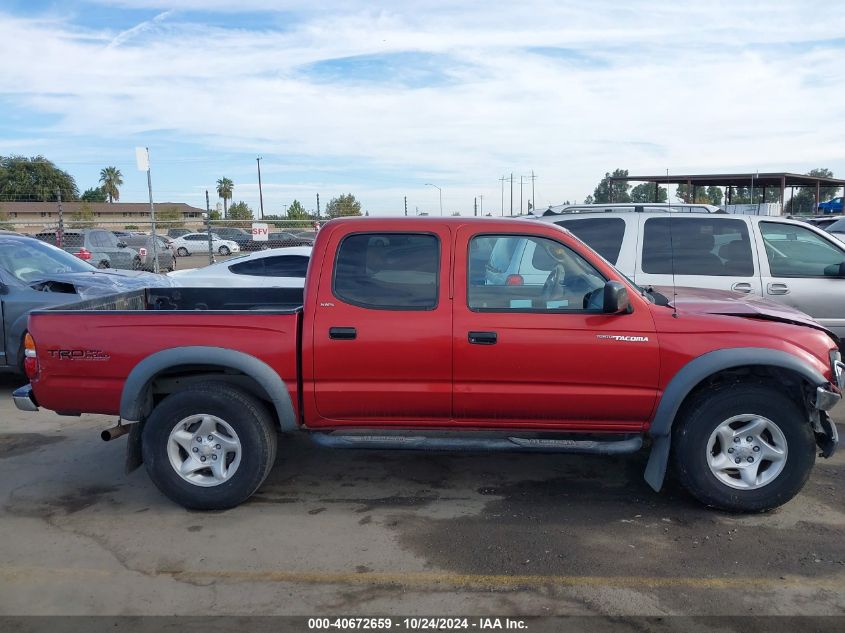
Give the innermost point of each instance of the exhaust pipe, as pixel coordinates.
(114, 432)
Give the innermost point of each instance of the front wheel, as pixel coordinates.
(747, 448)
(224, 250)
(137, 264)
(209, 446)
(182, 251)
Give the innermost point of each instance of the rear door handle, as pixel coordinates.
(483, 338)
(343, 333)
(778, 289)
(741, 286)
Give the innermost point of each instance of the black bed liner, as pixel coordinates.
(192, 299)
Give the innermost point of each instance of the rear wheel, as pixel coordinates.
(103, 264)
(747, 448)
(224, 250)
(209, 446)
(137, 264)
(182, 251)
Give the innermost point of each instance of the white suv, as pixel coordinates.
(783, 260)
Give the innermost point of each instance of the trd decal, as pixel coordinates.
(78, 354)
(627, 339)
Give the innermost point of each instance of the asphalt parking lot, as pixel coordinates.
(398, 533)
(198, 261)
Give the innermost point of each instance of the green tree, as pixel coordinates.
(644, 192)
(344, 205)
(83, 218)
(589, 200)
(703, 195)
(225, 188)
(240, 211)
(94, 194)
(612, 190)
(298, 216)
(34, 179)
(169, 218)
(111, 180)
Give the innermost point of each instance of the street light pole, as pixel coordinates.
(440, 193)
(260, 193)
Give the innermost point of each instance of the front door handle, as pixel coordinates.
(343, 333)
(778, 289)
(482, 338)
(741, 286)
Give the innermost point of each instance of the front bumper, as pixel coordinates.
(826, 399)
(24, 398)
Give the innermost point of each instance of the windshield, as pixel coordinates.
(31, 260)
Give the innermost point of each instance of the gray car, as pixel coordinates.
(144, 245)
(786, 261)
(37, 275)
(98, 247)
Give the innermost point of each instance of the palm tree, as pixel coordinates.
(111, 179)
(225, 187)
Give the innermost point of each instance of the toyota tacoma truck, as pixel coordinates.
(411, 334)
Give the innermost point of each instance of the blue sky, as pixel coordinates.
(380, 99)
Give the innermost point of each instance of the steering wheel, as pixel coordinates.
(22, 272)
(551, 287)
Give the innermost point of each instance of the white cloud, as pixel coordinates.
(709, 86)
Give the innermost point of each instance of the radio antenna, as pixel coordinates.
(672, 253)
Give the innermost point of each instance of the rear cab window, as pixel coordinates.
(388, 271)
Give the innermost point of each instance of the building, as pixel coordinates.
(33, 216)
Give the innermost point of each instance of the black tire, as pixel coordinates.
(103, 265)
(697, 422)
(248, 417)
(224, 250)
(137, 264)
(182, 252)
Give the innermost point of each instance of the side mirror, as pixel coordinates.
(615, 298)
(835, 270)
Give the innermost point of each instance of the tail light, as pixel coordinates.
(142, 252)
(30, 357)
(83, 253)
(514, 280)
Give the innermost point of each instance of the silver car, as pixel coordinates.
(787, 261)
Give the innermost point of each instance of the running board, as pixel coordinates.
(470, 443)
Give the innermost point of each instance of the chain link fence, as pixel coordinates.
(130, 245)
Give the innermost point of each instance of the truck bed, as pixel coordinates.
(85, 372)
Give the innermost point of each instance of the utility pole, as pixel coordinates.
(474, 207)
(533, 199)
(60, 232)
(521, 181)
(406, 206)
(318, 206)
(208, 228)
(511, 194)
(260, 193)
(503, 179)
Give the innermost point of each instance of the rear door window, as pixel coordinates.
(603, 235)
(388, 271)
(697, 246)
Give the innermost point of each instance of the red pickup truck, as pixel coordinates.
(411, 334)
